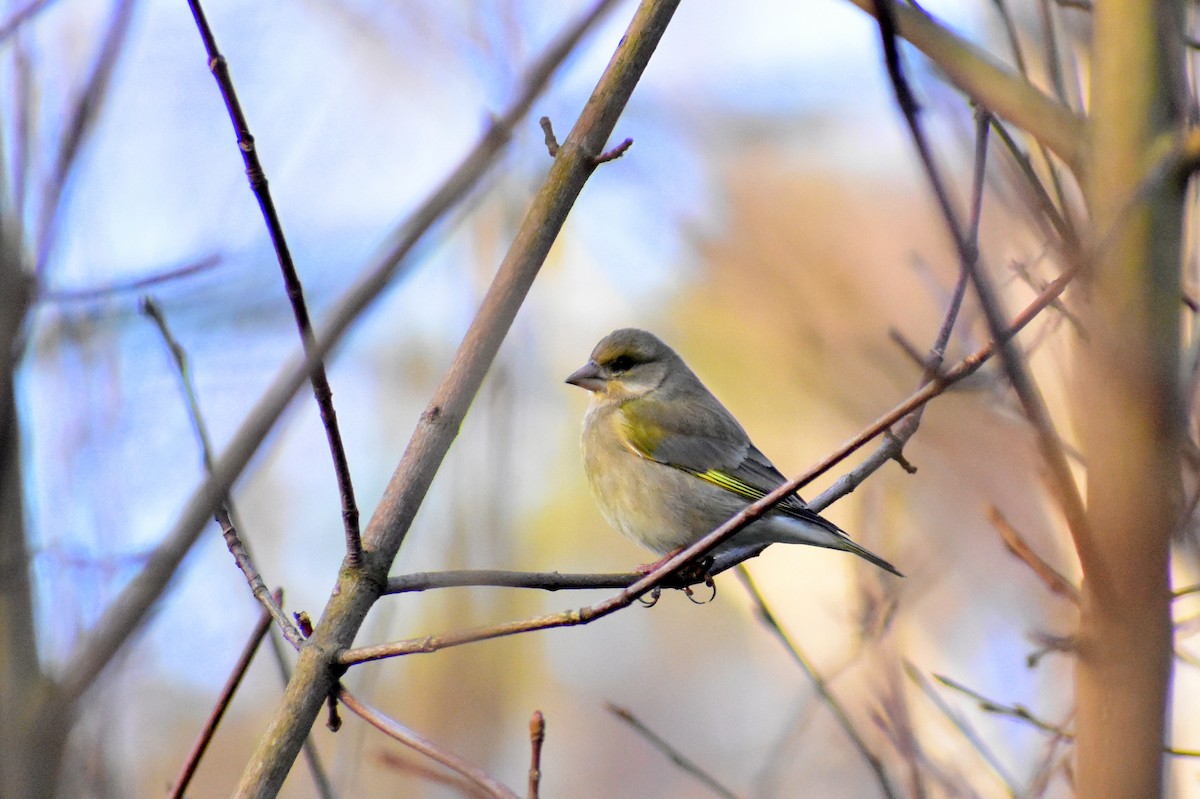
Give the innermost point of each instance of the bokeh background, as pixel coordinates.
(769, 222)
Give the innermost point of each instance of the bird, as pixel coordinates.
(667, 463)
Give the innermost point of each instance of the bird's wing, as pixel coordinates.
(705, 440)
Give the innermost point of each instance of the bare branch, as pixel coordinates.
(357, 590)
(78, 127)
(547, 581)
(20, 17)
(168, 275)
(963, 726)
(537, 736)
(223, 513)
(291, 280)
(188, 770)
(129, 610)
(681, 760)
(1067, 492)
(818, 682)
(394, 729)
(975, 72)
(1018, 546)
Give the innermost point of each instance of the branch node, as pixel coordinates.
(551, 139)
(614, 153)
(334, 723)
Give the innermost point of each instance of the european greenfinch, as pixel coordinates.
(667, 463)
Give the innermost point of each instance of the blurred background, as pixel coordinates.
(769, 222)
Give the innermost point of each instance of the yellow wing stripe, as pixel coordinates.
(731, 484)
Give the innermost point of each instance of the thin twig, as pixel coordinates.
(419, 743)
(295, 291)
(1021, 713)
(548, 133)
(20, 17)
(79, 125)
(937, 353)
(222, 511)
(1018, 546)
(547, 581)
(188, 770)
(685, 764)
(978, 75)
(962, 725)
(135, 284)
(537, 737)
(431, 774)
(818, 682)
(1059, 219)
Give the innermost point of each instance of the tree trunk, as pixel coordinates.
(1128, 404)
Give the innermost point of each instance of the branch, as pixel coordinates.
(818, 682)
(537, 736)
(419, 743)
(498, 578)
(1016, 544)
(203, 264)
(223, 511)
(295, 291)
(674, 755)
(79, 125)
(1011, 358)
(188, 770)
(126, 614)
(963, 726)
(357, 589)
(986, 82)
(555, 581)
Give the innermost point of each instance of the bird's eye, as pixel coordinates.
(622, 363)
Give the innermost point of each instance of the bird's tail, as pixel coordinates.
(803, 526)
(866, 554)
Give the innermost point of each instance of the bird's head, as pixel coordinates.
(625, 365)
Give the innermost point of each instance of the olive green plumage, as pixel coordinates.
(667, 462)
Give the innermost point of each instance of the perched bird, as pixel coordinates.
(667, 462)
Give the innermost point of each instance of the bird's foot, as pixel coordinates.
(691, 595)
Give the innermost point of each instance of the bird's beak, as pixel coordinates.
(588, 376)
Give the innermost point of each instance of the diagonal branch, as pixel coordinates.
(80, 124)
(419, 743)
(1011, 359)
(357, 589)
(818, 682)
(555, 581)
(291, 280)
(986, 82)
(129, 610)
(681, 760)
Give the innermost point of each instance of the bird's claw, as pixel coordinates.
(691, 595)
(654, 595)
